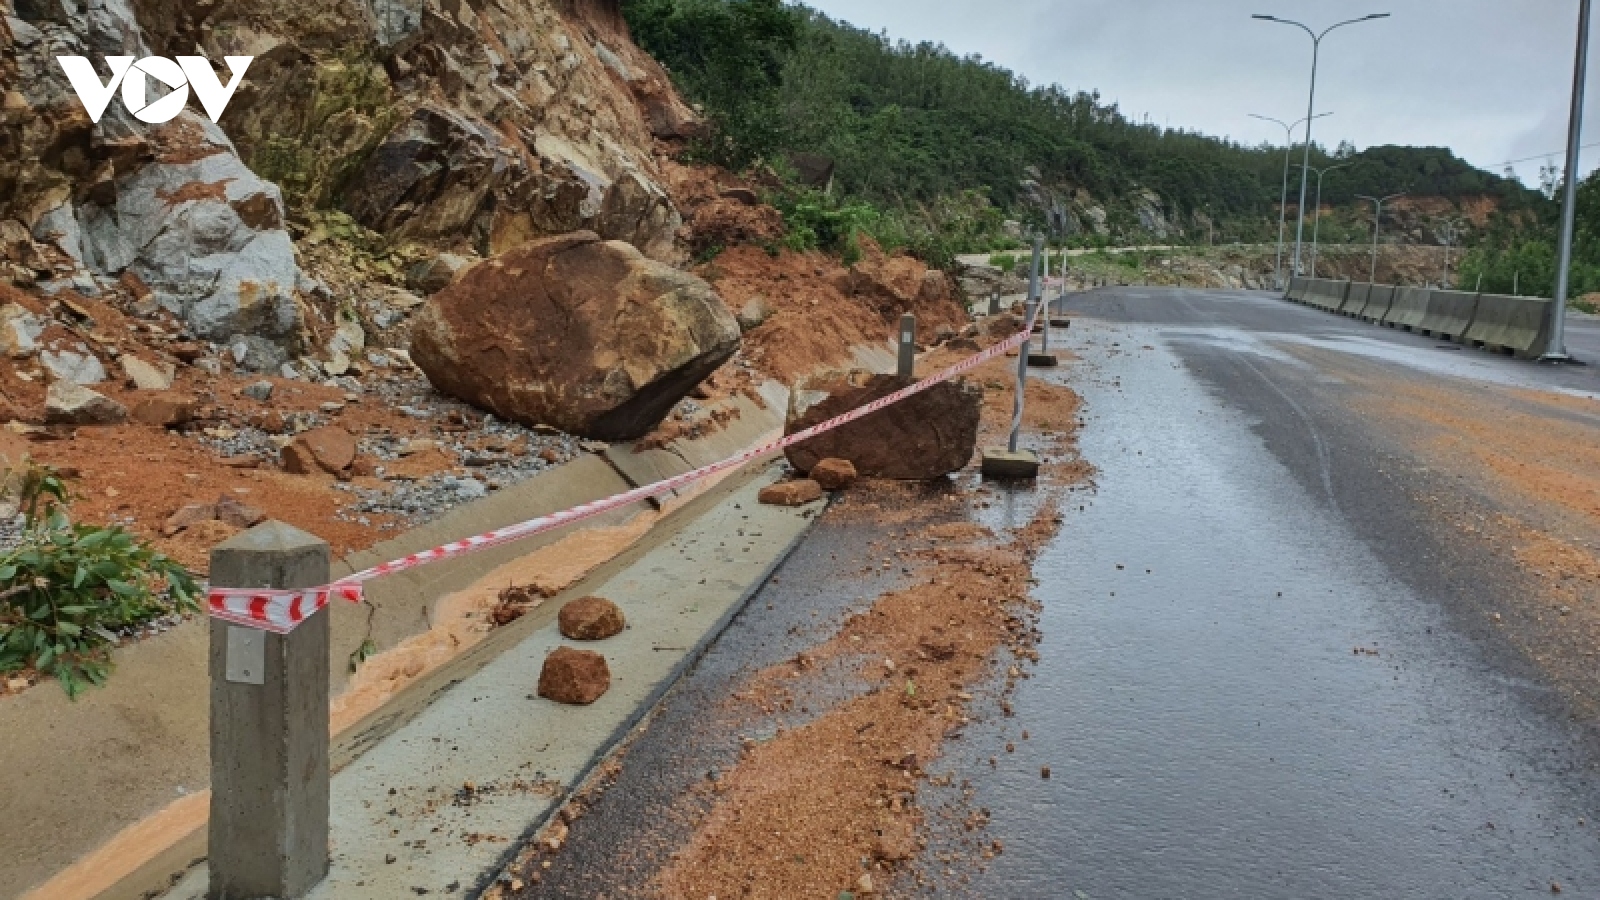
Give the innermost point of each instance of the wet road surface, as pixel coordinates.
(1268, 669)
(1261, 674)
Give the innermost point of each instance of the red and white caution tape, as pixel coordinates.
(280, 611)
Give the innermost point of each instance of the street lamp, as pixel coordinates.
(1452, 230)
(1556, 349)
(1377, 223)
(1311, 111)
(1316, 227)
(1283, 198)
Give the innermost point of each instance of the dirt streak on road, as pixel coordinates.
(1533, 459)
(799, 812)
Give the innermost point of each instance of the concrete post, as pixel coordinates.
(908, 346)
(994, 303)
(269, 726)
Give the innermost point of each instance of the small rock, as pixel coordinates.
(77, 368)
(575, 677)
(864, 883)
(239, 515)
(164, 410)
(327, 449)
(188, 516)
(259, 391)
(148, 376)
(67, 403)
(834, 474)
(19, 331)
(754, 313)
(741, 195)
(791, 493)
(591, 619)
(434, 275)
(1044, 772)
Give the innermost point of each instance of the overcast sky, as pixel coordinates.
(1491, 79)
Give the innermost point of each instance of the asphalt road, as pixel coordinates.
(1289, 647)
(1271, 668)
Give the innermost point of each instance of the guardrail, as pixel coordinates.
(1515, 326)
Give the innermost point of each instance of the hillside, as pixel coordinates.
(910, 126)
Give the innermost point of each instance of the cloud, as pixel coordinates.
(1487, 78)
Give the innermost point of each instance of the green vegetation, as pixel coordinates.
(911, 126)
(1518, 252)
(65, 586)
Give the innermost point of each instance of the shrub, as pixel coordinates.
(65, 587)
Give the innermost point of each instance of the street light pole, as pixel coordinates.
(1452, 230)
(1316, 228)
(1556, 350)
(1283, 198)
(1377, 223)
(1311, 112)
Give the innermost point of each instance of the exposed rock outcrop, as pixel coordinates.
(583, 334)
(483, 124)
(171, 203)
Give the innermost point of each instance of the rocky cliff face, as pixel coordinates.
(470, 126)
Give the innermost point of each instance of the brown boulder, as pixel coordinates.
(591, 619)
(575, 332)
(163, 410)
(834, 474)
(922, 437)
(328, 449)
(576, 677)
(791, 493)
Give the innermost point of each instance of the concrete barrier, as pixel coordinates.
(1449, 314)
(1355, 299)
(1297, 290)
(1518, 325)
(1379, 299)
(1326, 294)
(1409, 308)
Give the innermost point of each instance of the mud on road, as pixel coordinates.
(793, 758)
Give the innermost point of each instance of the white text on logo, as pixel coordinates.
(181, 75)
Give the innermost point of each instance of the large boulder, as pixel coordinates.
(922, 437)
(583, 334)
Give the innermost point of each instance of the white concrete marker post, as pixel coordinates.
(908, 346)
(268, 831)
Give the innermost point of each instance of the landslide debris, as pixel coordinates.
(587, 335)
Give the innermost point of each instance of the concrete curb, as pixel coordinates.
(506, 727)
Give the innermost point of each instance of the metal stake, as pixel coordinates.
(1022, 352)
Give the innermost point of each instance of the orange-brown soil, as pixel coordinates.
(832, 805)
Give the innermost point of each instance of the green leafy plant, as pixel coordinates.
(66, 586)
